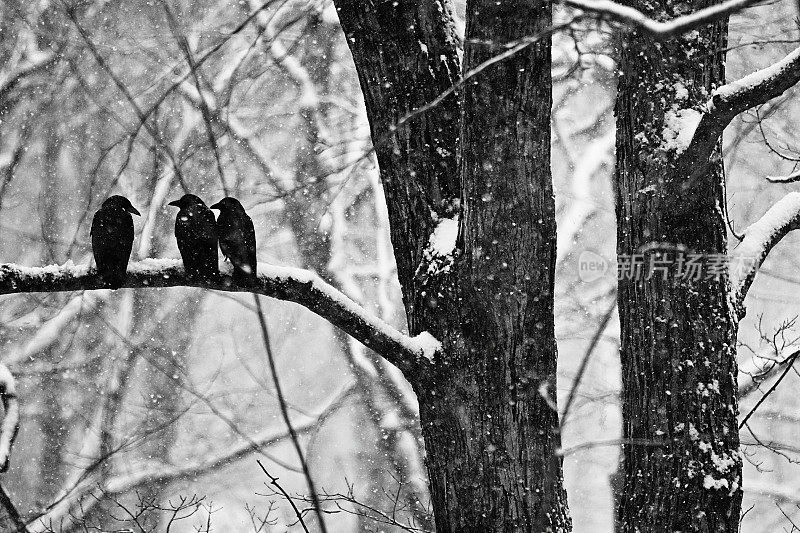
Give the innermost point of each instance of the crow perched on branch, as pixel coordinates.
(237, 239)
(112, 239)
(196, 233)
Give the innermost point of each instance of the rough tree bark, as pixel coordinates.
(682, 461)
(487, 405)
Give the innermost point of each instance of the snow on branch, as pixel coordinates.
(791, 178)
(758, 87)
(761, 367)
(737, 96)
(614, 12)
(760, 238)
(284, 283)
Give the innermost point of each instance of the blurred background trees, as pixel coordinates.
(135, 398)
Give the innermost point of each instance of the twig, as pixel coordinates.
(274, 481)
(285, 413)
(585, 361)
(789, 362)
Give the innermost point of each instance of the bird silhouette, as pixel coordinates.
(112, 239)
(196, 233)
(237, 239)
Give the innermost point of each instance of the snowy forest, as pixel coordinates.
(523, 266)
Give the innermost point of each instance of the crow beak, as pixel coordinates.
(215, 206)
(133, 210)
(176, 203)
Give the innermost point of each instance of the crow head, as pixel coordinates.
(188, 201)
(228, 204)
(120, 203)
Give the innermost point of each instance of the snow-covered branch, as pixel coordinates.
(759, 239)
(614, 12)
(761, 367)
(758, 87)
(737, 96)
(284, 283)
(791, 178)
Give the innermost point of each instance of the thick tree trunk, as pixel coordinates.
(487, 406)
(682, 462)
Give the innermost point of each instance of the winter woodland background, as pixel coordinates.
(133, 400)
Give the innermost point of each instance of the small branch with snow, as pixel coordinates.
(613, 12)
(758, 369)
(759, 239)
(791, 178)
(284, 283)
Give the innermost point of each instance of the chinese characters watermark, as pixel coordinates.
(663, 265)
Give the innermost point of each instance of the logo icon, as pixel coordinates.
(592, 266)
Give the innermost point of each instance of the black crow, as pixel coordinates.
(112, 239)
(237, 239)
(196, 233)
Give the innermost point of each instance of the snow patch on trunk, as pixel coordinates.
(442, 241)
(679, 127)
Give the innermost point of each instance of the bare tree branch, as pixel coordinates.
(410, 354)
(757, 370)
(146, 474)
(788, 364)
(51, 331)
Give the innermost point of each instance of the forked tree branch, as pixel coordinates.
(759, 239)
(410, 354)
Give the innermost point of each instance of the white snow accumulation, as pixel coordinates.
(790, 178)
(679, 127)
(423, 345)
(67, 269)
(758, 77)
(153, 266)
(710, 482)
(681, 92)
(442, 241)
(760, 236)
